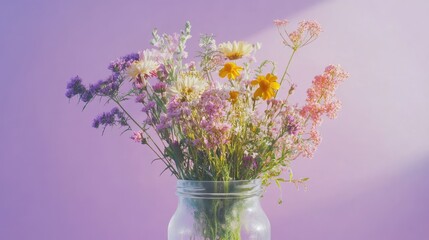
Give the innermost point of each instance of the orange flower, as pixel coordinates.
(267, 85)
(230, 70)
(233, 96)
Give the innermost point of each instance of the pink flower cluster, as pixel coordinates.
(138, 137)
(178, 113)
(280, 22)
(321, 100)
(213, 107)
(321, 96)
(205, 120)
(291, 128)
(306, 32)
(311, 27)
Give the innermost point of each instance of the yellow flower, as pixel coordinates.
(230, 70)
(267, 85)
(235, 50)
(233, 96)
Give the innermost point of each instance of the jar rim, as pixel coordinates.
(256, 181)
(219, 189)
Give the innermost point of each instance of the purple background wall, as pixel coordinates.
(60, 179)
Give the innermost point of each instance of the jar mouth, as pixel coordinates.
(256, 181)
(235, 189)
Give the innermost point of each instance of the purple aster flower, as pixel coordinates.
(107, 87)
(131, 57)
(86, 96)
(120, 117)
(122, 63)
(149, 106)
(292, 126)
(75, 87)
(140, 98)
(160, 87)
(95, 88)
(115, 116)
(250, 162)
(149, 121)
(164, 123)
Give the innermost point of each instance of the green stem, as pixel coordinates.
(159, 154)
(287, 68)
(158, 100)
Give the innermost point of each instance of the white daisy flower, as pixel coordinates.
(235, 50)
(189, 86)
(146, 66)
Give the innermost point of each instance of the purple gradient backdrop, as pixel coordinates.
(59, 179)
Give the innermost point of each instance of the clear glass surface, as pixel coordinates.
(216, 210)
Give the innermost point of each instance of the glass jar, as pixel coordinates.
(217, 210)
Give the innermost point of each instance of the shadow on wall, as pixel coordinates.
(394, 208)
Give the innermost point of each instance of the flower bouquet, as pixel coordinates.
(217, 123)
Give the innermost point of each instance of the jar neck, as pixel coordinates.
(239, 189)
